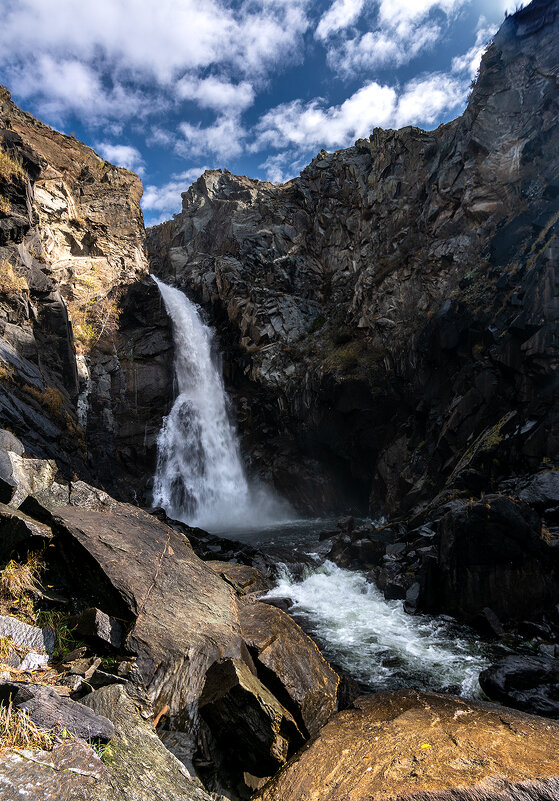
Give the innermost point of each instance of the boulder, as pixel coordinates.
(180, 617)
(530, 683)
(49, 710)
(410, 745)
(71, 771)
(243, 578)
(251, 726)
(138, 764)
(290, 663)
(95, 624)
(26, 636)
(25, 476)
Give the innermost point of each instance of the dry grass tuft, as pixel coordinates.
(17, 730)
(50, 398)
(10, 168)
(95, 320)
(5, 205)
(10, 282)
(19, 583)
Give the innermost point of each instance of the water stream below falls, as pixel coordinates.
(200, 479)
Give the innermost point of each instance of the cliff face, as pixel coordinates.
(72, 263)
(390, 315)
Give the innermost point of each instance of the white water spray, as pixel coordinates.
(200, 477)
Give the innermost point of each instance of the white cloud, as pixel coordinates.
(469, 62)
(48, 47)
(401, 30)
(313, 124)
(123, 156)
(216, 94)
(340, 15)
(224, 138)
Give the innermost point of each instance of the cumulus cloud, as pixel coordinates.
(341, 14)
(469, 62)
(216, 94)
(400, 31)
(122, 155)
(224, 138)
(314, 124)
(112, 54)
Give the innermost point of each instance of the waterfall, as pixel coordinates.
(200, 478)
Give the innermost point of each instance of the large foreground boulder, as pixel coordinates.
(426, 747)
(301, 676)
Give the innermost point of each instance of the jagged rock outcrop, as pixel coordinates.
(410, 745)
(392, 311)
(84, 342)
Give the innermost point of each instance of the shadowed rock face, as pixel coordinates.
(397, 300)
(410, 746)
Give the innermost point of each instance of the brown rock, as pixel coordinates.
(305, 682)
(424, 747)
(243, 578)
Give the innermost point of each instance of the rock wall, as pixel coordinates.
(389, 316)
(79, 319)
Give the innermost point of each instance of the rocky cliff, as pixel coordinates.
(389, 317)
(77, 321)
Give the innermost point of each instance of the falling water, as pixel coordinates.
(200, 477)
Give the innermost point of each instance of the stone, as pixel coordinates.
(19, 531)
(243, 578)
(529, 683)
(70, 771)
(179, 616)
(138, 764)
(93, 623)
(9, 442)
(49, 710)
(26, 636)
(27, 476)
(493, 554)
(248, 722)
(403, 745)
(298, 672)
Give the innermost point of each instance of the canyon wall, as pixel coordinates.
(388, 318)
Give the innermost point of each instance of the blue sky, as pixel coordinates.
(171, 87)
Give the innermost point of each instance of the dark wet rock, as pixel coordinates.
(488, 623)
(290, 664)
(529, 683)
(49, 710)
(493, 554)
(542, 491)
(138, 764)
(403, 745)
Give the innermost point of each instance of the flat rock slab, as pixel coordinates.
(182, 616)
(70, 772)
(49, 710)
(139, 765)
(426, 747)
(281, 646)
(27, 636)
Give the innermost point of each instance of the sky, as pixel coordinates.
(169, 88)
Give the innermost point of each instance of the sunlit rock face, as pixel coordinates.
(397, 300)
(84, 343)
